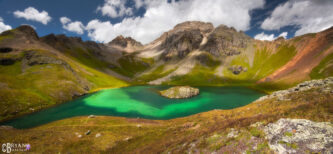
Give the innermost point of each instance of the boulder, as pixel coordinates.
(236, 69)
(300, 136)
(88, 132)
(179, 92)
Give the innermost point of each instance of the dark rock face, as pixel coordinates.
(7, 61)
(225, 41)
(32, 58)
(237, 69)
(181, 43)
(5, 50)
(29, 31)
(124, 42)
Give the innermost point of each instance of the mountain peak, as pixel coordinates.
(202, 26)
(124, 41)
(23, 31)
(28, 30)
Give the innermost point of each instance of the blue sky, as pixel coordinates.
(145, 20)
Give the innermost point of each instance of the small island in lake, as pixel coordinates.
(179, 92)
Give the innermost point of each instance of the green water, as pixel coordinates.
(141, 101)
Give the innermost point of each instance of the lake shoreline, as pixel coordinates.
(146, 105)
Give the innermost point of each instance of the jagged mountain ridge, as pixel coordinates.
(233, 56)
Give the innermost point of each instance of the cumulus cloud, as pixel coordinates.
(33, 14)
(64, 20)
(309, 15)
(284, 34)
(3, 26)
(72, 26)
(161, 16)
(115, 8)
(271, 37)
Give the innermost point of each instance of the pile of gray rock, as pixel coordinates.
(300, 136)
(179, 92)
(324, 85)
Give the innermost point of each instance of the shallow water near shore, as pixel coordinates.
(142, 102)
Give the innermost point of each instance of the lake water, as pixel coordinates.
(141, 101)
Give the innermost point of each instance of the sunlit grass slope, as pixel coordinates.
(29, 85)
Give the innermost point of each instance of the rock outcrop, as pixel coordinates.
(32, 58)
(236, 69)
(300, 136)
(181, 43)
(225, 41)
(324, 85)
(179, 92)
(125, 42)
(183, 39)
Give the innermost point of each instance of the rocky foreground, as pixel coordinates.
(180, 92)
(299, 136)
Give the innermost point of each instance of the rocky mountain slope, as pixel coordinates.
(192, 53)
(196, 53)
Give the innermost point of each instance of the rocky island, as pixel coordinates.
(180, 92)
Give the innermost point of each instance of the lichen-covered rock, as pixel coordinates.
(300, 136)
(233, 133)
(180, 92)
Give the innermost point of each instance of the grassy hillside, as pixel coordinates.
(35, 79)
(199, 76)
(324, 69)
(156, 73)
(265, 62)
(130, 65)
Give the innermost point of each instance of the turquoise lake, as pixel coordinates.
(142, 102)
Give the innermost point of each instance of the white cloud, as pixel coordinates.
(284, 34)
(72, 26)
(309, 15)
(138, 3)
(271, 37)
(115, 8)
(64, 20)
(161, 16)
(3, 26)
(31, 13)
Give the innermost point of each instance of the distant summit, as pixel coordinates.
(125, 42)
